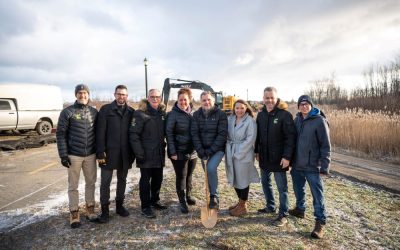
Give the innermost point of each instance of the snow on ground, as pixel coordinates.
(56, 204)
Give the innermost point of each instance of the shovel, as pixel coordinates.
(208, 215)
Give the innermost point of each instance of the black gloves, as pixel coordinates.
(65, 161)
(101, 159)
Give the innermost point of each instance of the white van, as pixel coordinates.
(29, 106)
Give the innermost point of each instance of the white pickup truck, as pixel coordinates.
(29, 107)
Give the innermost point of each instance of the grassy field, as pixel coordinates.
(359, 217)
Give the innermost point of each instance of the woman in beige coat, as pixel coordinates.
(240, 169)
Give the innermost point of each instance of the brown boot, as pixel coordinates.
(233, 206)
(90, 215)
(319, 230)
(74, 219)
(241, 209)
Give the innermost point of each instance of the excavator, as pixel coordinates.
(224, 103)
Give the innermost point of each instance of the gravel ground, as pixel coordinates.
(359, 217)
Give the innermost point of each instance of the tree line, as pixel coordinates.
(381, 90)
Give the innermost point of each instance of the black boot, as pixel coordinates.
(182, 201)
(120, 208)
(105, 214)
(190, 200)
(214, 202)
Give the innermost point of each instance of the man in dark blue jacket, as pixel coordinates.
(276, 138)
(113, 150)
(312, 160)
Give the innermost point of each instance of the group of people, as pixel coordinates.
(117, 134)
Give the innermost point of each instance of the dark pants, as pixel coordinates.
(243, 194)
(106, 176)
(150, 185)
(184, 171)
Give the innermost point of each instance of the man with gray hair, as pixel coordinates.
(147, 139)
(275, 143)
(77, 147)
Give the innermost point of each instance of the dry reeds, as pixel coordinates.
(374, 133)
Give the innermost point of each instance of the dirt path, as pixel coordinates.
(375, 173)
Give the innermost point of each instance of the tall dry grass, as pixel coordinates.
(374, 133)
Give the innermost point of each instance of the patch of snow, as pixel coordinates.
(55, 204)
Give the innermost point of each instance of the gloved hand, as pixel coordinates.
(208, 152)
(201, 154)
(65, 161)
(140, 160)
(101, 159)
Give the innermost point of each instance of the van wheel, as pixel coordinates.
(44, 128)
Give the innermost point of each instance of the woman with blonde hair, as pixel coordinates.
(240, 169)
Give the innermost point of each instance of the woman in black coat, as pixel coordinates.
(180, 146)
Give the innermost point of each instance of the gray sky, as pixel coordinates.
(234, 45)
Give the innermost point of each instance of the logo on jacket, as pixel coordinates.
(78, 116)
(276, 120)
(133, 122)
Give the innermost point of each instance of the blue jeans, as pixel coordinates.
(317, 190)
(281, 183)
(212, 165)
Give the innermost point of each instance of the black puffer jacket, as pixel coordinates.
(276, 137)
(209, 132)
(112, 136)
(179, 139)
(76, 133)
(147, 136)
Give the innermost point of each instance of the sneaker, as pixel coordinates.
(214, 202)
(74, 219)
(266, 211)
(157, 206)
(281, 221)
(318, 231)
(148, 213)
(297, 213)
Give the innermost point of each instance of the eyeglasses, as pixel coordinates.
(154, 97)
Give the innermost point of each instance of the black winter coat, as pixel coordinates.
(112, 136)
(76, 134)
(147, 136)
(179, 139)
(209, 133)
(276, 137)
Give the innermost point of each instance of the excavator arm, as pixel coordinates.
(179, 83)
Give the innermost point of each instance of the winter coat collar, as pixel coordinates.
(144, 106)
(279, 105)
(178, 109)
(80, 106)
(315, 112)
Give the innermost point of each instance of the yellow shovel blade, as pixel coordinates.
(208, 217)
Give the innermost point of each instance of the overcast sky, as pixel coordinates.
(233, 45)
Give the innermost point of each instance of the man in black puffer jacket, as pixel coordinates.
(209, 133)
(147, 139)
(77, 147)
(113, 150)
(275, 143)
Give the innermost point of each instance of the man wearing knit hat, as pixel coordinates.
(312, 159)
(77, 148)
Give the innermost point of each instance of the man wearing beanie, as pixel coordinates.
(312, 159)
(113, 150)
(275, 143)
(77, 148)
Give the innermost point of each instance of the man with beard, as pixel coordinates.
(113, 150)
